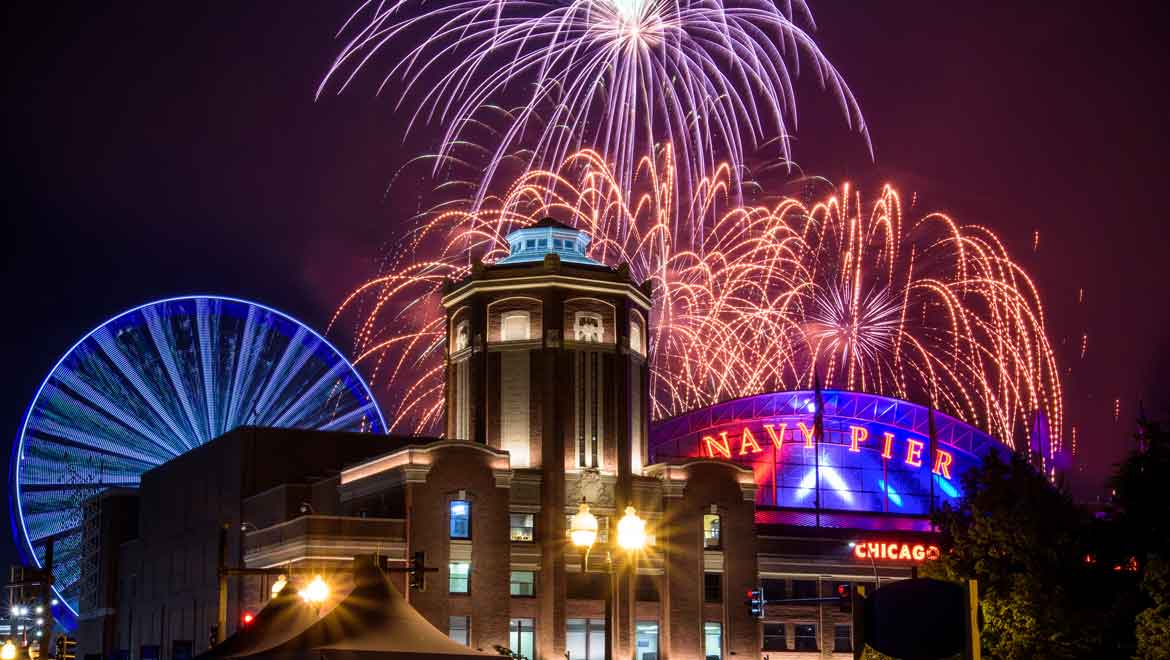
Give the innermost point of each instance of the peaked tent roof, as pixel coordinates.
(283, 617)
(373, 621)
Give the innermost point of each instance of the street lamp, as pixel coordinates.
(279, 585)
(8, 652)
(631, 537)
(315, 592)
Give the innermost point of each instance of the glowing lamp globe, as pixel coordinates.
(583, 527)
(316, 592)
(631, 531)
(279, 585)
(9, 651)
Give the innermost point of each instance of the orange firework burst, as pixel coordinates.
(747, 299)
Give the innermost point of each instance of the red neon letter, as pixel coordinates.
(914, 453)
(857, 435)
(888, 445)
(808, 433)
(777, 438)
(919, 552)
(859, 551)
(942, 463)
(904, 552)
(714, 446)
(748, 441)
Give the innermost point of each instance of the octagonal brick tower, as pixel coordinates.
(547, 360)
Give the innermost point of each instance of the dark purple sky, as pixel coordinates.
(155, 149)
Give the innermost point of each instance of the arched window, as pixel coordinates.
(515, 326)
(588, 327)
(462, 336)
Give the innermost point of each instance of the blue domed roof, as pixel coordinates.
(548, 236)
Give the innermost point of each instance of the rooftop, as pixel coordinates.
(548, 236)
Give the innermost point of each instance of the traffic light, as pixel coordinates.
(755, 601)
(213, 635)
(845, 596)
(247, 619)
(418, 575)
(60, 647)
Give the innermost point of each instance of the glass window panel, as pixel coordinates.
(459, 629)
(522, 637)
(805, 636)
(713, 640)
(713, 587)
(646, 640)
(460, 519)
(459, 577)
(523, 526)
(842, 638)
(711, 531)
(515, 326)
(523, 583)
(774, 639)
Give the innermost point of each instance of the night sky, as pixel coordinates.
(157, 149)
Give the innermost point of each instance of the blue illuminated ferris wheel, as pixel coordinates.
(155, 382)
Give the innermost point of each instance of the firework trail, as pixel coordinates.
(770, 297)
(623, 77)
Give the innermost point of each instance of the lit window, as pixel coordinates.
(462, 335)
(514, 326)
(589, 327)
(459, 629)
(713, 587)
(522, 638)
(523, 583)
(712, 539)
(646, 637)
(460, 519)
(522, 526)
(806, 637)
(842, 638)
(585, 639)
(459, 577)
(713, 640)
(774, 637)
(636, 338)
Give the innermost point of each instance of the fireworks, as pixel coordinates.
(764, 299)
(713, 77)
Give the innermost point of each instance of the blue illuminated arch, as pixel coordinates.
(152, 383)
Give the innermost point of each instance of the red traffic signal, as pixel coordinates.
(248, 618)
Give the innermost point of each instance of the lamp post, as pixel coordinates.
(631, 537)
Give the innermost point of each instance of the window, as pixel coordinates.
(645, 589)
(542, 243)
(804, 588)
(522, 637)
(462, 335)
(523, 583)
(712, 539)
(588, 327)
(713, 587)
(522, 526)
(460, 519)
(842, 638)
(774, 637)
(514, 326)
(459, 577)
(774, 589)
(636, 338)
(806, 636)
(459, 629)
(646, 640)
(713, 640)
(530, 244)
(585, 639)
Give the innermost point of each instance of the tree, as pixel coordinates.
(1044, 593)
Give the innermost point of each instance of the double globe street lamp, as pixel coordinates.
(631, 537)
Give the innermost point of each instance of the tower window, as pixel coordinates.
(462, 335)
(460, 519)
(515, 326)
(636, 344)
(588, 327)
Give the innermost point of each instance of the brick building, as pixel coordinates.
(548, 406)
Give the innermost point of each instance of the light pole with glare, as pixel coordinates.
(631, 537)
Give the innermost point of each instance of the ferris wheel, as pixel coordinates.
(151, 384)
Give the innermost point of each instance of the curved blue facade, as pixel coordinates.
(879, 463)
(152, 383)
